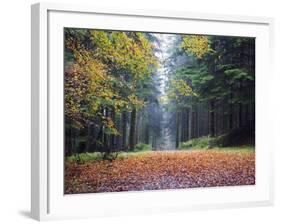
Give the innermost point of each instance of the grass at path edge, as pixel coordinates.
(93, 156)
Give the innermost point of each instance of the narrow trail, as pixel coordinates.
(166, 139)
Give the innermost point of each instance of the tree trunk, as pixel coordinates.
(183, 126)
(118, 138)
(124, 130)
(138, 128)
(132, 141)
(146, 134)
(198, 120)
(212, 119)
(190, 127)
(231, 110)
(106, 136)
(177, 130)
(240, 115)
(112, 137)
(231, 117)
(187, 124)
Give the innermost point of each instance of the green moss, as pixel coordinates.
(201, 143)
(142, 147)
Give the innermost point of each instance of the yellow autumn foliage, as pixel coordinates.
(197, 45)
(180, 88)
(92, 77)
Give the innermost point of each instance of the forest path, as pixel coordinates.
(162, 170)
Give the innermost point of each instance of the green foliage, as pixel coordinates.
(84, 157)
(142, 147)
(91, 156)
(230, 149)
(200, 143)
(96, 156)
(239, 74)
(243, 149)
(220, 70)
(237, 137)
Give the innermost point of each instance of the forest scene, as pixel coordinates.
(153, 111)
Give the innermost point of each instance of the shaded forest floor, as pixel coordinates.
(155, 170)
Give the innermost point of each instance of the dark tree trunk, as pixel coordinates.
(146, 134)
(212, 119)
(177, 130)
(183, 126)
(106, 136)
(198, 120)
(132, 141)
(231, 117)
(187, 124)
(222, 119)
(138, 126)
(140, 136)
(247, 115)
(118, 138)
(124, 130)
(231, 110)
(112, 140)
(190, 122)
(240, 115)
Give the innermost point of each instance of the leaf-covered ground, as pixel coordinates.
(162, 170)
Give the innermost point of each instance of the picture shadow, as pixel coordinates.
(25, 213)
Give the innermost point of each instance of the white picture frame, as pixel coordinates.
(47, 198)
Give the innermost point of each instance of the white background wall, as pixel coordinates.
(15, 110)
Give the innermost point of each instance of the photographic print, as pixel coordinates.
(154, 111)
